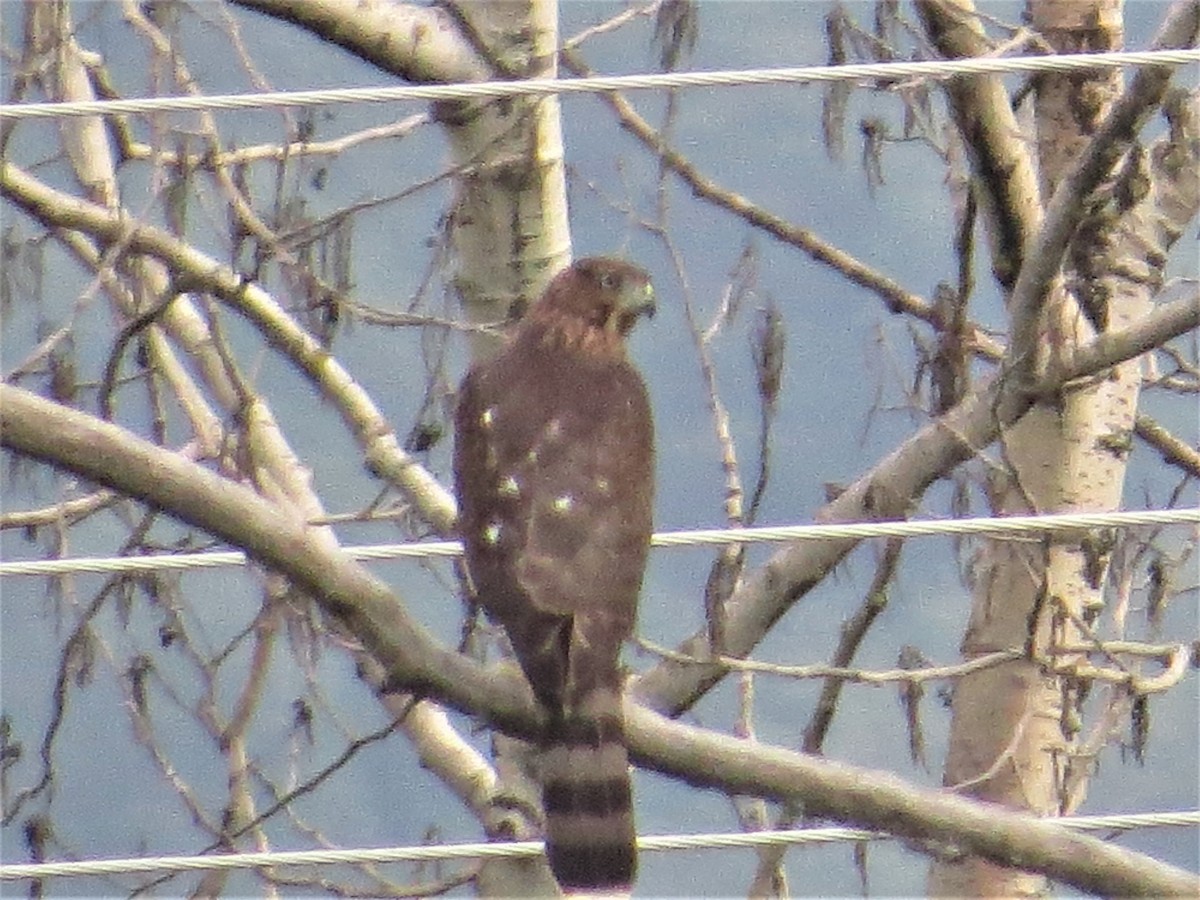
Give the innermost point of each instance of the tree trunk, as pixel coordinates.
(510, 235)
(510, 231)
(1014, 728)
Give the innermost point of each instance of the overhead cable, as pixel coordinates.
(988, 526)
(650, 843)
(486, 90)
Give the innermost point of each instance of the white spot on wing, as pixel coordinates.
(509, 487)
(488, 417)
(603, 485)
(491, 534)
(563, 503)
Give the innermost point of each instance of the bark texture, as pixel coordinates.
(1016, 734)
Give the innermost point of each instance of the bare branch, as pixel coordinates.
(844, 793)
(107, 454)
(1044, 250)
(885, 491)
(894, 297)
(195, 271)
(1173, 450)
(424, 44)
(1000, 162)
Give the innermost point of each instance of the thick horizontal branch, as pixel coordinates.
(111, 456)
(850, 795)
(120, 460)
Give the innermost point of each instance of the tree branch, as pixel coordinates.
(1000, 162)
(1111, 347)
(886, 491)
(933, 818)
(109, 455)
(1172, 449)
(894, 297)
(1045, 248)
(196, 271)
(422, 44)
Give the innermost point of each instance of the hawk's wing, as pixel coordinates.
(554, 468)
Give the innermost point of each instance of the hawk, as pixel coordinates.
(553, 466)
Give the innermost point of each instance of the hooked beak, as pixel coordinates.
(638, 302)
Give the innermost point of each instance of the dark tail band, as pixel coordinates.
(590, 835)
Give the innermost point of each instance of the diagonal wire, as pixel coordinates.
(646, 843)
(991, 526)
(603, 84)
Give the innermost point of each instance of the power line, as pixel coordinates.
(989, 526)
(652, 843)
(602, 84)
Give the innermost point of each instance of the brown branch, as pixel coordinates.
(1172, 449)
(894, 297)
(853, 631)
(72, 665)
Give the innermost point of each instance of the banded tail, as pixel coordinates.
(591, 840)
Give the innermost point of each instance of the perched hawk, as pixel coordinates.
(553, 462)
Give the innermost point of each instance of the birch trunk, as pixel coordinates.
(1015, 729)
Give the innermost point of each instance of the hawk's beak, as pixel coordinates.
(646, 306)
(637, 302)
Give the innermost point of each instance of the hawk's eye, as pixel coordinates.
(608, 281)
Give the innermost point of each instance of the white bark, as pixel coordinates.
(1013, 737)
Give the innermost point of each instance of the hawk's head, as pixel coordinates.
(596, 301)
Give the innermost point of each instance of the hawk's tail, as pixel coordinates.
(590, 835)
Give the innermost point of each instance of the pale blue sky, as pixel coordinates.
(845, 354)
